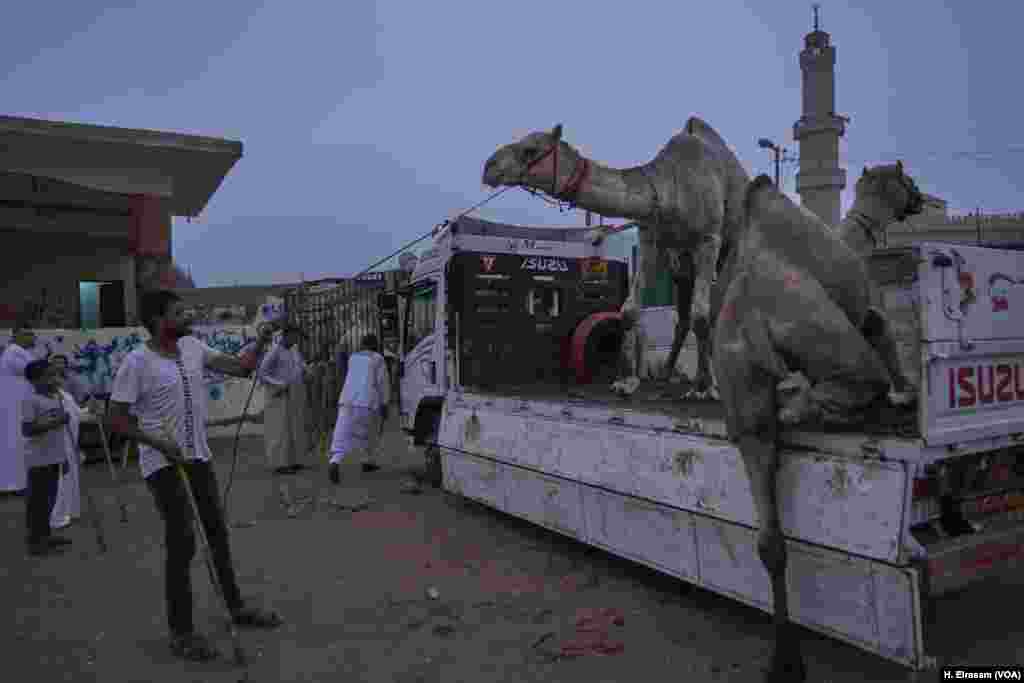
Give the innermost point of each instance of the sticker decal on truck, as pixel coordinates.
(986, 384)
(999, 292)
(550, 265)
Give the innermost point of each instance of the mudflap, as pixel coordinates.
(873, 605)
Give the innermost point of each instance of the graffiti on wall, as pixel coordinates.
(230, 340)
(95, 356)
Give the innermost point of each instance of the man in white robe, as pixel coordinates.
(283, 374)
(13, 389)
(362, 408)
(68, 507)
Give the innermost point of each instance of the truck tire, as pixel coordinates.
(432, 455)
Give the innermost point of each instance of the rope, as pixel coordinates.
(368, 269)
(234, 453)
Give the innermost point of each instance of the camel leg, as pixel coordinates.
(761, 461)
(748, 369)
(631, 357)
(683, 278)
(878, 332)
(705, 264)
(634, 339)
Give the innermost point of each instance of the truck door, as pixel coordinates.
(420, 371)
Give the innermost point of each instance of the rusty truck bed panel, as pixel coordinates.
(851, 504)
(870, 604)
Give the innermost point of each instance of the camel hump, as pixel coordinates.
(701, 128)
(753, 190)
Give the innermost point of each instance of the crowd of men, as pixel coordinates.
(158, 401)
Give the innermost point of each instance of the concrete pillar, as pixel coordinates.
(151, 243)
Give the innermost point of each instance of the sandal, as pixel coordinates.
(254, 617)
(193, 647)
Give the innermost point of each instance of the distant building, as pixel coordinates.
(85, 216)
(936, 224)
(237, 305)
(821, 180)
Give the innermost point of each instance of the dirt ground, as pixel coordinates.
(411, 589)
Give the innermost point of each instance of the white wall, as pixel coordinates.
(95, 356)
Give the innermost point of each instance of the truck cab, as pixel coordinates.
(491, 305)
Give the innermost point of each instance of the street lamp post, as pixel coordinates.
(765, 143)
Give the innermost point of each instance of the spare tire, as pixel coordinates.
(596, 340)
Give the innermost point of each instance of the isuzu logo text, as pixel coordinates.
(550, 265)
(986, 384)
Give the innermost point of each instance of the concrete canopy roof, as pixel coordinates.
(183, 169)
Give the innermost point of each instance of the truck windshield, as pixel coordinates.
(420, 311)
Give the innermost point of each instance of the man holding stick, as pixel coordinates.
(161, 384)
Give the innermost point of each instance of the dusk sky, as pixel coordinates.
(366, 123)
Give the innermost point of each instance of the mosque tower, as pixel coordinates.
(820, 180)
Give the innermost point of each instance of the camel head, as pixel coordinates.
(892, 190)
(532, 161)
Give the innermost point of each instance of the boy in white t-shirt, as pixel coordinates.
(43, 416)
(158, 384)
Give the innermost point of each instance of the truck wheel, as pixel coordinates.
(432, 456)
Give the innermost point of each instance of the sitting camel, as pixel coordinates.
(797, 298)
(687, 203)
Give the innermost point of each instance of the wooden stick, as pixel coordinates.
(113, 471)
(94, 512)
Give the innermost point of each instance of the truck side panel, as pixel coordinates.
(851, 504)
(872, 605)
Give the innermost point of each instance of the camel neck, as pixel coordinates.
(860, 231)
(622, 193)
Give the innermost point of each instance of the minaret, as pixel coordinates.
(820, 179)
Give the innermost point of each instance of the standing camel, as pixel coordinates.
(797, 298)
(687, 203)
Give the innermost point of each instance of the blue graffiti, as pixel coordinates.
(225, 342)
(96, 364)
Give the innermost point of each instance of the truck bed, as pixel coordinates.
(668, 399)
(658, 396)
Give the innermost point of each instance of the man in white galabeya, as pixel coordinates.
(161, 384)
(362, 408)
(13, 389)
(283, 374)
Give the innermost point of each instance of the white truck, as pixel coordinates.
(509, 341)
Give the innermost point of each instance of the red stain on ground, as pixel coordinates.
(570, 583)
(424, 563)
(383, 519)
(593, 633)
(792, 279)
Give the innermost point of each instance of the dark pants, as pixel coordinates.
(42, 495)
(180, 539)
